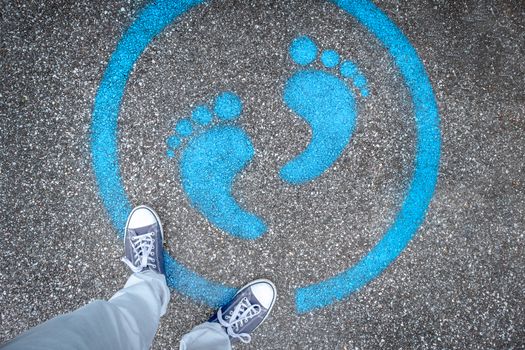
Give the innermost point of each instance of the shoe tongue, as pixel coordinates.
(138, 231)
(254, 301)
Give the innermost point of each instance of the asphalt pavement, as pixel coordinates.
(401, 227)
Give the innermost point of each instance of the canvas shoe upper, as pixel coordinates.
(143, 241)
(247, 310)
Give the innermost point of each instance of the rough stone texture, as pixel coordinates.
(458, 285)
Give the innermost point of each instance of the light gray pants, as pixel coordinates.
(129, 320)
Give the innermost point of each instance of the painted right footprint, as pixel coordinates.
(326, 103)
(212, 154)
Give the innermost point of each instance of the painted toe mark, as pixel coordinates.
(184, 127)
(228, 106)
(201, 115)
(303, 50)
(350, 70)
(330, 58)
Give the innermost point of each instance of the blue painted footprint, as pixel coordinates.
(326, 103)
(213, 154)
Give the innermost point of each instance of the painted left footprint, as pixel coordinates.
(326, 102)
(216, 152)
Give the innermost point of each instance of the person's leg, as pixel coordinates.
(206, 336)
(141, 303)
(129, 320)
(234, 321)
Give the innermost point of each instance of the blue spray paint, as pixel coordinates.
(328, 106)
(423, 183)
(174, 141)
(201, 115)
(228, 106)
(209, 164)
(330, 58)
(349, 70)
(184, 127)
(303, 50)
(326, 103)
(150, 22)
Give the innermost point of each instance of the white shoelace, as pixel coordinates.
(142, 247)
(237, 317)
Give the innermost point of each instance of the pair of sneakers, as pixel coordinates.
(144, 251)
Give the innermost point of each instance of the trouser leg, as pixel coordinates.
(129, 320)
(206, 336)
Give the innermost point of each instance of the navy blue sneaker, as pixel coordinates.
(247, 310)
(143, 239)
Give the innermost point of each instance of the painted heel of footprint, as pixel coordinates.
(326, 102)
(212, 153)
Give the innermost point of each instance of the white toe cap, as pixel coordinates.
(141, 216)
(265, 293)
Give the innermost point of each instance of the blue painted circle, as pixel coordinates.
(228, 106)
(330, 58)
(153, 19)
(303, 50)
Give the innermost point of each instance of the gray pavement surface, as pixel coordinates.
(458, 285)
